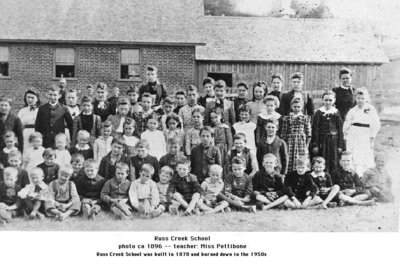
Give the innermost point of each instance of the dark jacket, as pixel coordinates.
(202, 158)
(12, 123)
(286, 98)
(155, 89)
(94, 133)
(278, 148)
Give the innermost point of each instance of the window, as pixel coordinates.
(222, 76)
(130, 66)
(4, 60)
(65, 62)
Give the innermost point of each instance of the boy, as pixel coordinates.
(15, 160)
(49, 166)
(63, 197)
(35, 194)
(241, 99)
(212, 188)
(174, 154)
(52, 117)
(349, 182)
(90, 91)
(240, 150)
(246, 127)
(166, 174)
(180, 98)
(115, 192)
(204, 155)
(101, 106)
(123, 107)
(89, 187)
(185, 113)
(153, 86)
(222, 102)
(62, 85)
(377, 181)
(77, 161)
(113, 99)
(142, 157)
(144, 115)
(208, 86)
(274, 145)
(72, 100)
(133, 95)
(168, 109)
(82, 147)
(268, 185)
(143, 193)
(344, 93)
(10, 203)
(184, 189)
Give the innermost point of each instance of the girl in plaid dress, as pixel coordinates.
(296, 131)
(222, 134)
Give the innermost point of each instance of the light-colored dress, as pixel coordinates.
(101, 148)
(156, 139)
(28, 118)
(32, 158)
(248, 130)
(257, 107)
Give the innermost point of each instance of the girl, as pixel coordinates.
(222, 134)
(192, 136)
(63, 157)
(360, 129)
(257, 105)
(9, 140)
(327, 135)
(156, 139)
(271, 103)
(102, 145)
(246, 127)
(123, 112)
(296, 131)
(130, 136)
(33, 156)
(208, 86)
(28, 114)
(276, 84)
(9, 122)
(174, 128)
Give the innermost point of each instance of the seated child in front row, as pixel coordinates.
(89, 187)
(14, 160)
(268, 185)
(35, 194)
(143, 193)
(185, 189)
(83, 146)
(49, 167)
(115, 192)
(63, 198)
(166, 174)
(10, 203)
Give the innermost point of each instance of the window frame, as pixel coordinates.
(225, 73)
(55, 63)
(135, 78)
(8, 62)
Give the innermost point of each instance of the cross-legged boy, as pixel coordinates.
(166, 174)
(10, 203)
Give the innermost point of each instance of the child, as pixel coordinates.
(349, 182)
(115, 192)
(327, 137)
(246, 127)
(180, 98)
(113, 99)
(344, 93)
(110, 161)
(184, 189)
(222, 133)
(142, 157)
(28, 114)
(133, 95)
(63, 197)
(274, 145)
(221, 102)
(155, 138)
(166, 174)
(143, 193)
(241, 99)
(130, 136)
(86, 120)
(102, 145)
(63, 157)
(268, 185)
(52, 117)
(192, 135)
(77, 161)
(153, 86)
(299, 186)
(185, 113)
(296, 132)
(168, 110)
(174, 154)
(276, 84)
(377, 181)
(101, 106)
(204, 155)
(15, 160)
(360, 129)
(49, 166)
(208, 86)
(249, 157)
(89, 187)
(35, 194)
(212, 188)
(9, 122)
(174, 128)
(271, 103)
(89, 90)
(327, 191)
(71, 99)
(10, 203)
(122, 114)
(257, 105)
(33, 154)
(147, 113)
(82, 147)
(9, 140)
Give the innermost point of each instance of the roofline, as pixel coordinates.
(294, 62)
(99, 42)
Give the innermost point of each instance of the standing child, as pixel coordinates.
(102, 145)
(222, 134)
(246, 127)
(174, 154)
(115, 192)
(180, 98)
(33, 154)
(166, 174)
(208, 86)
(221, 102)
(15, 160)
(344, 93)
(168, 110)
(10, 140)
(276, 84)
(271, 103)
(130, 136)
(241, 99)
(82, 147)
(192, 135)
(118, 120)
(257, 105)
(241, 151)
(77, 161)
(90, 91)
(185, 113)
(63, 196)
(296, 132)
(49, 167)
(71, 99)
(153, 86)
(327, 139)
(101, 106)
(142, 157)
(63, 157)
(10, 203)
(156, 138)
(144, 115)
(10, 122)
(174, 128)
(133, 95)
(113, 99)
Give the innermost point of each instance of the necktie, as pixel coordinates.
(37, 189)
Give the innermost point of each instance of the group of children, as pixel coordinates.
(151, 153)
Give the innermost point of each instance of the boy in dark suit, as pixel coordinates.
(52, 117)
(101, 106)
(153, 86)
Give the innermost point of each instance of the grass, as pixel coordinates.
(379, 218)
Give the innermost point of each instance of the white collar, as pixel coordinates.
(274, 114)
(53, 104)
(314, 175)
(7, 151)
(344, 87)
(333, 110)
(85, 147)
(299, 114)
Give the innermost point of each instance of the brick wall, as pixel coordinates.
(33, 65)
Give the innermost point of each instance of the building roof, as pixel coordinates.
(127, 21)
(392, 51)
(289, 40)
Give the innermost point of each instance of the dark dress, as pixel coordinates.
(344, 100)
(103, 112)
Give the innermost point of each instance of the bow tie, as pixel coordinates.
(32, 108)
(37, 189)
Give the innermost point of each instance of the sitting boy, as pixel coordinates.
(166, 174)
(10, 203)
(49, 166)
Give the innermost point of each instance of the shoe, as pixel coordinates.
(39, 216)
(252, 209)
(173, 210)
(341, 203)
(141, 210)
(93, 213)
(155, 213)
(196, 211)
(332, 204)
(227, 210)
(86, 210)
